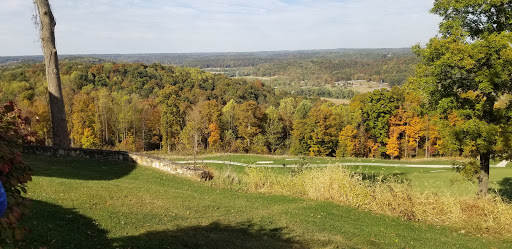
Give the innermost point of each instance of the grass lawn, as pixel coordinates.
(289, 160)
(293, 160)
(440, 180)
(107, 204)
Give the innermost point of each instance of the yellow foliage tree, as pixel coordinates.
(323, 137)
(89, 140)
(397, 128)
(347, 142)
(82, 120)
(374, 148)
(214, 139)
(413, 132)
(393, 146)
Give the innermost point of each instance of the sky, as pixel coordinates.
(183, 26)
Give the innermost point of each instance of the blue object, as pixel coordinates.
(3, 200)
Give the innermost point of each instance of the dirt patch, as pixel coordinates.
(338, 101)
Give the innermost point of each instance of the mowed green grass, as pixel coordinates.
(439, 180)
(108, 204)
(445, 180)
(293, 160)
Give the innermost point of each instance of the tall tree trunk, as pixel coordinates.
(427, 142)
(406, 144)
(417, 146)
(143, 132)
(195, 148)
(58, 112)
(483, 179)
(97, 127)
(248, 138)
(105, 121)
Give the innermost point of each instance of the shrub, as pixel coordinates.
(228, 179)
(14, 173)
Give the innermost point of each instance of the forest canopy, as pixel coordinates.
(133, 106)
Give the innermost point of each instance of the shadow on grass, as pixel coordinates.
(505, 189)
(214, 235)
(53, 226)
(79, 169)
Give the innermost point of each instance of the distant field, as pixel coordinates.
(221, 71)
(108, 204)
(365, 86)
(258, 78)
(338, 101)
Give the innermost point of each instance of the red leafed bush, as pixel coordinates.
(14, 173)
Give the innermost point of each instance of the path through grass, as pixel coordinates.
(290, 160)
(105, 204)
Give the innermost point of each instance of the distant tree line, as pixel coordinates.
(325, 92)
(394, 70)
(305, 68)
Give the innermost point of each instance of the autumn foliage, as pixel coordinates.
(14, 173)
(148, 107)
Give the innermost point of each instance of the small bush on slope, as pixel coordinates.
(14, 173)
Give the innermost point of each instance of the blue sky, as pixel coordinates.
(165, 26)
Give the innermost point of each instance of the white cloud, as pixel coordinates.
(135, 26)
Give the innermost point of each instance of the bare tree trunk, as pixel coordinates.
(143, 132)
(417, 146)
(427, 142)
(248, 139)
(106, 127)
(98, 128)
(195, 149)
(57, 109)
(134, 124)
(406, 144)
(483, 179)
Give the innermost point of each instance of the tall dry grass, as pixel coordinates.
(481, 216)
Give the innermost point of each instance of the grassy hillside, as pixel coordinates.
(104, 204)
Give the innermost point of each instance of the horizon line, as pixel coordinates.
(220, 52)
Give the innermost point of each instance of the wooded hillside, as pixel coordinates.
(304, 68)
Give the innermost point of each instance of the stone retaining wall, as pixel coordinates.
(171, 167)
(141, 159)
(77, 152)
